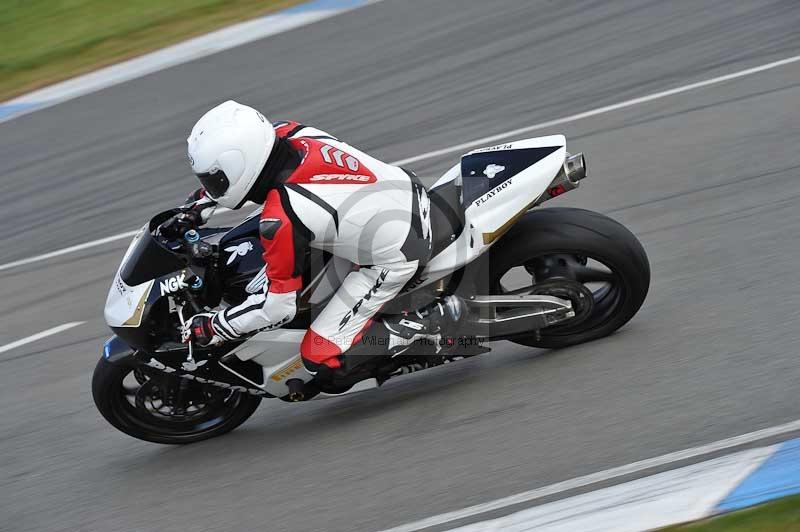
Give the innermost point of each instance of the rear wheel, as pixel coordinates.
(160, 408)
(578, 255)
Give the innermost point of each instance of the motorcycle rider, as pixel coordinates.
(320, 192)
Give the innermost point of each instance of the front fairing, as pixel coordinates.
(138, 307)
(125, 303)
(148, 272)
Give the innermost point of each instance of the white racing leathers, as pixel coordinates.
(362, 210)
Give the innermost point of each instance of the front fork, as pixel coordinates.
(190, 355)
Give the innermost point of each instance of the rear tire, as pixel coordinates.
(108, 391)
(581, 234)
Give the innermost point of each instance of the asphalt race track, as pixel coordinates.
(708, 179)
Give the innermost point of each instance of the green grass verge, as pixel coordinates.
(782, 515)
(45, 41)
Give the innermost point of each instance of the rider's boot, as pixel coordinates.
(427, 324)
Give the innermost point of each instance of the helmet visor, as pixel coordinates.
(216, 183)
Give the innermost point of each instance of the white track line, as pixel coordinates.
(39, 336)
(70, 249)
(599, 111)
(608, 474)
(479, 142)
(85, 245)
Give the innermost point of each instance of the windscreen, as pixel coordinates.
(147, 260)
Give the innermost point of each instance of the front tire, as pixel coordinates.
(560, 245)
(118, 393)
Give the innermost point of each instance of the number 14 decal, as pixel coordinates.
(338, 156)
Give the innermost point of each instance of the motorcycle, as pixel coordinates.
(540, 277)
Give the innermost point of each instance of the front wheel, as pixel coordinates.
(156, 407)
(576, 254)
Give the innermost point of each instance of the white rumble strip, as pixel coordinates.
(745, 462)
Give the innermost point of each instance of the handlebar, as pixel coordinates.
(182, 237)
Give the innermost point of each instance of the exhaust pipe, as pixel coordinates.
(574, 167)
(568, 178)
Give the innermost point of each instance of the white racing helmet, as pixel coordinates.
(228, 148)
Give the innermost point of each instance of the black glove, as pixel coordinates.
(194, 213)
(178, 225)
(196, 196)
(200, 329)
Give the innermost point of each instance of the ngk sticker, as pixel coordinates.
(173, 284)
